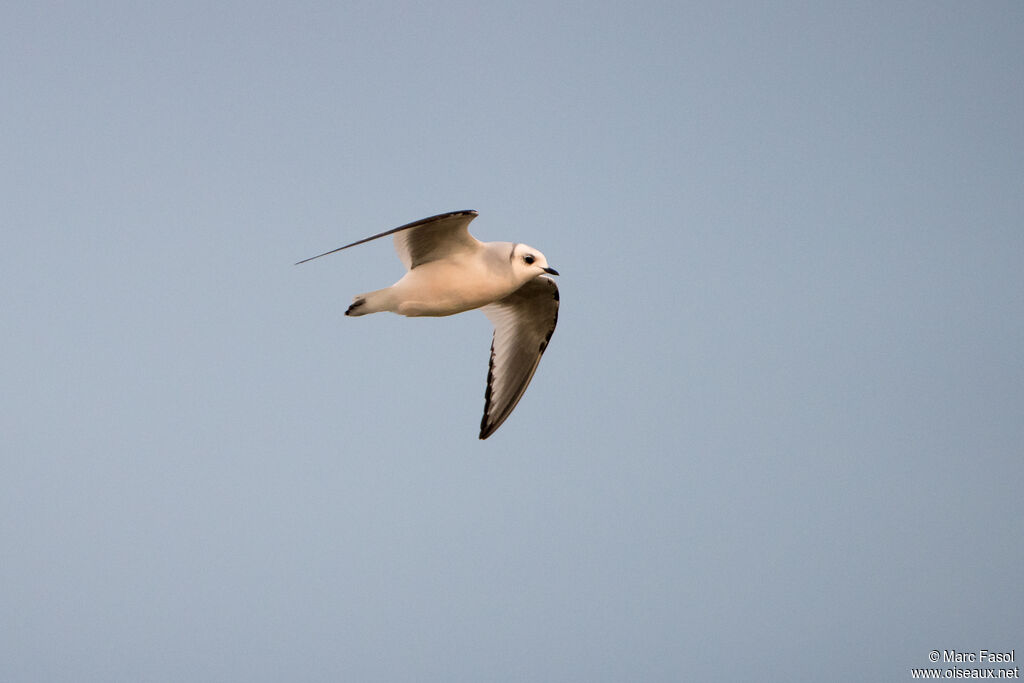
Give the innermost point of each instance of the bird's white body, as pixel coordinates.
(454, 285)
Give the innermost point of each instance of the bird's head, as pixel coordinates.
(528, 262)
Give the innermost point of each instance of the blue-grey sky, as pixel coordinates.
(777, 435)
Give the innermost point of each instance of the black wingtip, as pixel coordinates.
(485, 429)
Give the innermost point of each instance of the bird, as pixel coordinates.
(448, 271)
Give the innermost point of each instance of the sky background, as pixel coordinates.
(778, 433)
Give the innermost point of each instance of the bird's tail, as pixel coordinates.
(371, 302)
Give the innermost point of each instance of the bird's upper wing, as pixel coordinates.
(434, 238)
(427, 239)
(523, 324)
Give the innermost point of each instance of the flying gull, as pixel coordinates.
(450, 271)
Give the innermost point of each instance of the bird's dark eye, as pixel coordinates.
(528, 259)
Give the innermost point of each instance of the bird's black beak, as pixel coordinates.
(551, 271)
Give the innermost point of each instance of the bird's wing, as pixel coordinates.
(427, 239)
(435, 238)
(523, 324)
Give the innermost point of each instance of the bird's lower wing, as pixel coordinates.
(523, 324)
